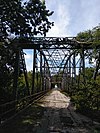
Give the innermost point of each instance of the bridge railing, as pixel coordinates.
(11, 109)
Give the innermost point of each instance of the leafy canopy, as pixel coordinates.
(18, 19)
(24, 19)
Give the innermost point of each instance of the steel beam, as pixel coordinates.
(34, 66)
(16, 73)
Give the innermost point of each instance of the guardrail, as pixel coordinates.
(10, 109)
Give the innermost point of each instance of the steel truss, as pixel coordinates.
(58, 60)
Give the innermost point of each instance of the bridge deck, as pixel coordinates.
(53, 114)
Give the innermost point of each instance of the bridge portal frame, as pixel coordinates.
(41, 44)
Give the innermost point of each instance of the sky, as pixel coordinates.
(73, 16)
(70, 17)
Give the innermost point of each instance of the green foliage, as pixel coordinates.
(25, 19)
(6, 72)
(18, 19)
(86, 96)
(84, 36)
(93, 37)
(22, 90)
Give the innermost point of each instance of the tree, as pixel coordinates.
(25, 19)
(86, 96)
(18, 19)
(93, 37)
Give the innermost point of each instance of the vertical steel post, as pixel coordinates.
(44, 78)
(74, 67)
(69, 73)
(37, 85)
(34, 65)
(16, 74)
(67, 81)
(41, 75)
(97, 67)
(25, 71)
(79, 72)
(83, 65)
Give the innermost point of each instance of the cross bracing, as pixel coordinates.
(64, 57)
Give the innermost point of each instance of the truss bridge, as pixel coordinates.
(58, 62)
(58, 59)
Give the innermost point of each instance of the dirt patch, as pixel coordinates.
(53, 114)
(61, 117)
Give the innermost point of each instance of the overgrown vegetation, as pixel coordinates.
(18, 19)
(86, 96)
